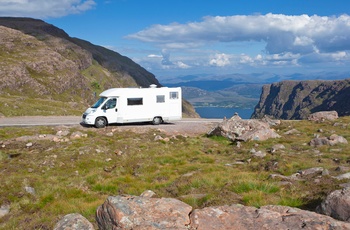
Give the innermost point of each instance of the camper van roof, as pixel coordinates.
(114, 92)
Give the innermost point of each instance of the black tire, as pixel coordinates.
(157, 120)
(100, 122)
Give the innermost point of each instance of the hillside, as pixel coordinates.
(43, 71)
(298, 99)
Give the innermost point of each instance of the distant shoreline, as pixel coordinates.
(221, 112)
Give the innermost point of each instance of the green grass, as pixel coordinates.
(78, 175)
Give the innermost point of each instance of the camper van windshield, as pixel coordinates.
(99, 102)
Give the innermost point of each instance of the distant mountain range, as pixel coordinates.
(236, 90)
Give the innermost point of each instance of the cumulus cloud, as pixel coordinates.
(281, 33)
(44, 8)
(220, 60)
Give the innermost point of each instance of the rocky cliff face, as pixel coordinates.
(298, 99)
(43, 71)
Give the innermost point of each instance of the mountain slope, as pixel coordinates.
(298, 99)
(43, 71)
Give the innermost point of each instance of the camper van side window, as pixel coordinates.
(160, 98)
(135, 101)
(174, 95)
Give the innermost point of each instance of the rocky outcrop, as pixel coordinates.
(323, 116)
(299, 99)
(238, 129)
(337, 205)
(133, 212)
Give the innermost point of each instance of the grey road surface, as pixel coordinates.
(70, 120)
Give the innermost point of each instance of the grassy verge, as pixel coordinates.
(77, 175)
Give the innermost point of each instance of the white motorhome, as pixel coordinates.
(127, 105)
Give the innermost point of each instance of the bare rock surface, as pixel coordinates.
(73, 221)
(323, 115)
(337, 205)
(133, 212)
(267, 217)
(332, 140)
(238, 129)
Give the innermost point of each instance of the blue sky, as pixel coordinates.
(179, 37)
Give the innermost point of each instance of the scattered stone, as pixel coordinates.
(293, 177)
(158, 138)
(342, 169)
(62, 133)
(109, 134)
(292, 131)
(148, 193)
(29, 190)
(30, 144)
(332, 140)
(310, 171)
(259, 154)
(277, 147)
(73, 221)
(4, 210)
(323, 115)
(238, 144)
(30, 170)
(77, 135)
(108, 159)
(336, 205)
(335, 139)
(343, 176)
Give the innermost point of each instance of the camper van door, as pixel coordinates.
(110, 110)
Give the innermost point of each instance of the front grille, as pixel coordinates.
(84, 116)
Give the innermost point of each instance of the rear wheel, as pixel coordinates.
(100, 122)
(157, 120)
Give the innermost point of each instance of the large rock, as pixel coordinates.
(267, 217)
(133, 212)
(337, 205)
(332, 140)
(323, 115)
(237, 129)
(73, 221)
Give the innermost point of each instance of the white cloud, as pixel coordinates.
(282, 33)
(220, 60)
(44, 8)
(287, 40)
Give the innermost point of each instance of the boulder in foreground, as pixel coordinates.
(237, 129)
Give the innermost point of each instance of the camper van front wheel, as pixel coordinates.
(157, 120)
(100, 122)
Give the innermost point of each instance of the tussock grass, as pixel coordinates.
(78, 175)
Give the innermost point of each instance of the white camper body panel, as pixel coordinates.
(136, 105)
